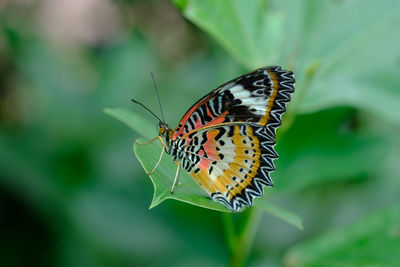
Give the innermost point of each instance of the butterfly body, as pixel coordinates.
(225, 141)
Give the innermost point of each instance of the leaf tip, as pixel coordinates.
(181, 4)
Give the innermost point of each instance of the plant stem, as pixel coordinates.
(229, 227)
(240, 242)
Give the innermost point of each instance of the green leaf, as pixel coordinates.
(281, 213)
(356, 56)
(240, 26)
(180, 3)
(186, 191)
(134, 121)
(372, 241)
(329, 150)
(110, 218)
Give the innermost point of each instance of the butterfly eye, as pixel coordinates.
(161, 130)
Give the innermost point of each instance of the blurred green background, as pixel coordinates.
(73, 194)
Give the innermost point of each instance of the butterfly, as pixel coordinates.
(225, 141)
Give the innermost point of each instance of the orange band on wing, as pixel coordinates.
(272, 98)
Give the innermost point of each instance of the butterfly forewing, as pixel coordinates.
(249, 98)
(226, 139)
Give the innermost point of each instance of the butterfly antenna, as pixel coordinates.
(158, 95)
(134, 101)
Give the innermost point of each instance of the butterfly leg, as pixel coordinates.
(159, 159)
(149, 142)
(161, 154)
(176, 176)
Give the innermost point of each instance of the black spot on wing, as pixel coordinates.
(242, 113)
(221, 132)
(206, 117)
(204, 138)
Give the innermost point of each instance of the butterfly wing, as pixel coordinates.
(257, 97)
(226, 139)
(231, 162)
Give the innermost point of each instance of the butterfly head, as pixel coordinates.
(163, 129)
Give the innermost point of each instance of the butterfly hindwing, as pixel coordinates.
(231, 162)
(257, 97)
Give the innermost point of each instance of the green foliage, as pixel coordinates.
(244, 28)
(372, 241)
(334, 36)
(285, 215)
(136, 122)
(347, 154)
(73, 194)
(347, 40)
